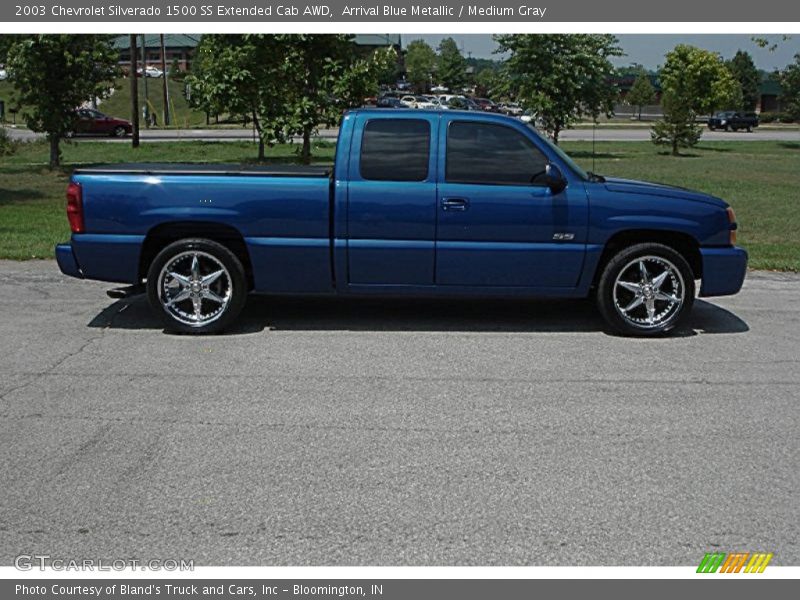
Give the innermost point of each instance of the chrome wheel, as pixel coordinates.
(649, 292)
(194, 288)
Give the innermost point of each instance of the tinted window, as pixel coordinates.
(491, 154)
(395, 150)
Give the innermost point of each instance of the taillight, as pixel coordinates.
(733, 226)
(75, 207)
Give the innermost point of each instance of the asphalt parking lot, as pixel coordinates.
(384, 432)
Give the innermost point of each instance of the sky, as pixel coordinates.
(649, 49)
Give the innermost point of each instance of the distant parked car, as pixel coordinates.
(389, 102)
(3, 74)
(418, 102)
(732, 120)
(150, 72)
(486, 105)
(462, 103)
(93, 122)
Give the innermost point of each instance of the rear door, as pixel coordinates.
(498, 224)
(391, 208)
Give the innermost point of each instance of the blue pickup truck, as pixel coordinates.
(433, 203)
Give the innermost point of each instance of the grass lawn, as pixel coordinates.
(182, 115)
(759, 179)
(119, 103)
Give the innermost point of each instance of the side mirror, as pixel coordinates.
(554, 179)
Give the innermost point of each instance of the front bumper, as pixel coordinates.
(67, 262)
(723, 270)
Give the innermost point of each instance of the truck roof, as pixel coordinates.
(435, 113)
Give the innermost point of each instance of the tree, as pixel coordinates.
(561, 77)
(642, 92)
(54, 74)
(451, 66)
(693, 81)
(288, 85)
(745, 72)
(241, 75)
(420, 62)
(487, 83)
(325, 76)
(790, 85)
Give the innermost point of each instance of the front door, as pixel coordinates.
(498, 224)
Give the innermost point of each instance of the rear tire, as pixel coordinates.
(645, 290)
(196, 286)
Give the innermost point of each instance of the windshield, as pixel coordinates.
(561, 154)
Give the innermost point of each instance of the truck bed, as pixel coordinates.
(207, 169)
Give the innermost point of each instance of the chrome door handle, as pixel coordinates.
(455, 204)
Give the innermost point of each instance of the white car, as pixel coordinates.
(511, 108)
(418, 102)
(151, 72)
(3, 74)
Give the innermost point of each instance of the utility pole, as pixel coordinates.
(144, 80)
(164, 88)
(134, 77)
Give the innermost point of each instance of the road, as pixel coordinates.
(616, 134)
(382, 432)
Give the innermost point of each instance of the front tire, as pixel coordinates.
(119, 132)
(196, 286)
(646, 290)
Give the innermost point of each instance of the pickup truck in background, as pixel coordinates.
(730, 120)
(421, 203)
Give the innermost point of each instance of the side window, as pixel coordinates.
(395, 150)
(485, 153)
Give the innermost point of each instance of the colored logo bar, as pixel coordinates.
(734, 562)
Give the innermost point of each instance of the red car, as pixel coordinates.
(93, 122)
(486, 105)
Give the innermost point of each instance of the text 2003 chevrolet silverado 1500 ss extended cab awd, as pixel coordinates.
(442, 203)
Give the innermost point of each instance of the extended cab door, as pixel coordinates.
(498, 223)
(391, 208)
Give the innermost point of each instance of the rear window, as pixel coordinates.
(395, 150)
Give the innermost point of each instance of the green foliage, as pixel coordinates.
(561, 77)
(451, 69)
(420, 62)
(699, 80)
(175, 70)
(7, 145)
(677, 129)
(775, 117)
(287, 84)
(745, 72)
(488, 83)
(54, 74)
(693, 81)
(790, 84)
(642, 92)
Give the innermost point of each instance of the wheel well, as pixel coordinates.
(683, 243)
(160, 236)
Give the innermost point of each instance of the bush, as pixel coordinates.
(775, 117)
(7, 145)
